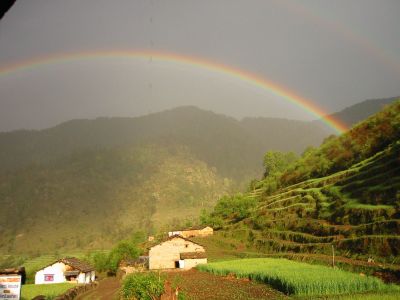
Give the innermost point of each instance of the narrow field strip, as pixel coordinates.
(295, 278)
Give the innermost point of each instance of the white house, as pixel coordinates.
(66, 269)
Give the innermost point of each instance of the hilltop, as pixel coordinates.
(359, 112)
(344, 193)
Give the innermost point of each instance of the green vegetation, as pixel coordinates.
(339, 153)
(233, 147)
(94, 199)
(276, 162)
(33, 264)
(50, 291)
(236, 207)
(109, 262)
(142, 286)
(296, 278)
(88, 184)
(343, 194)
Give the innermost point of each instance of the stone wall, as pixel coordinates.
(164, 255)
(76, 291)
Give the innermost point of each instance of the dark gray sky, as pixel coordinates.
(334, 53)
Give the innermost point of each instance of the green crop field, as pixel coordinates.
(295, 278)
(30, 291)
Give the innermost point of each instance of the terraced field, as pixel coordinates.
(356, 211)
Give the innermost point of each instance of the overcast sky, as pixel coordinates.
(334, 53)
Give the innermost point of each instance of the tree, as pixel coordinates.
(277, 162)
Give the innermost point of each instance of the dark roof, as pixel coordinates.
(10, 271)
(192, 228)
(193, 255)
(71, 273)
(75, 263)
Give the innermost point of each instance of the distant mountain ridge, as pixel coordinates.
(233, 147)
(358, 112)
(88, 183)
(186, 125)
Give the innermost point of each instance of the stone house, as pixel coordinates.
(69, 269)
(176, 252)
(193, 232)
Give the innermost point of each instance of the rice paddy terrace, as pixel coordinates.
(343, 196)
(355, 210)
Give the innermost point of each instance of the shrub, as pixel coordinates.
(104, 262)
(142, 286)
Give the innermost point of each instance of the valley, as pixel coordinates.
(333, 205)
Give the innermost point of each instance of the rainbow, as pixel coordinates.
(197, 62)
(349, 34)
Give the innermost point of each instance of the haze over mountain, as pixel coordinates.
(95, 174)
(234, 147)
(182, 159)
(360, 111)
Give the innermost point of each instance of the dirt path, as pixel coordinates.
(107, 290)
(198, 285)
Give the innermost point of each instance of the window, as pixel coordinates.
(48, 277)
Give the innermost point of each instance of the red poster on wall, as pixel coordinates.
(48, 277)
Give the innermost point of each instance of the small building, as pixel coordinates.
(193, 232)
(69, 269)
(176, 252)
(128, 266)
(15, 271)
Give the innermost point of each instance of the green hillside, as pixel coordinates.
(344, 193)
(88, 183)
(93, 199)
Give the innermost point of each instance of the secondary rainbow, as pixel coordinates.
(249, 77)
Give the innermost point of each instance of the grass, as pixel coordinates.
(30, 291)
(356, 204)
(294, 278)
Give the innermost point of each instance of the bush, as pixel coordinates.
(109, 263)
(142, 286)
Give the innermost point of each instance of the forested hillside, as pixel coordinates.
(234, 148)
(95, 198)
(344, 193)
(89, 183)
